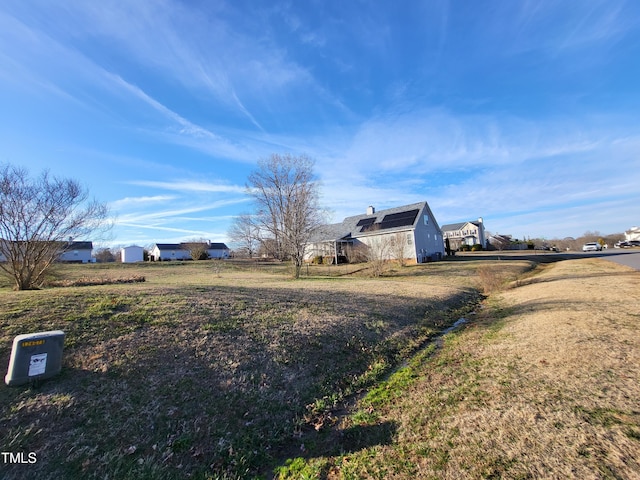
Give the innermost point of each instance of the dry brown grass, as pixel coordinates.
(203, 370)
(543, 384)
(92, 281)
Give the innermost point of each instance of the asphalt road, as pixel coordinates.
(630, 258)
(624, 256)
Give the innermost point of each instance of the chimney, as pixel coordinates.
(371, 210)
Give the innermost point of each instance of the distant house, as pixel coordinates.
(71, 252)
(169, 251)
(217, 250)
(132, 254)
(77, 252)
(182, 251)
(505, 242)
(411, 230)
(632, 234)
(465, 233)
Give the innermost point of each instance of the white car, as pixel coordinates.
(591, 247)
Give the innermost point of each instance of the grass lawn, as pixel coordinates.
(210, 369)
(543, 383)
(227, 370)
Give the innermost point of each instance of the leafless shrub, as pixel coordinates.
(378, 254)
(491, 278)
(397, 247)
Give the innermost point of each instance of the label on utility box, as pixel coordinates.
(38, 364)
(35, 356)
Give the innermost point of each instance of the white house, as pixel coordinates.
(182, 251)
(71, 252)
(411, 230)
(77, 252)
(132, 254)
(169, 251)
(465, 233)
(632, 234)
(217, 250)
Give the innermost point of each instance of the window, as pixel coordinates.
(426, 219)
(409, 239)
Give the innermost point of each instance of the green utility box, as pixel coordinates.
(35, 356)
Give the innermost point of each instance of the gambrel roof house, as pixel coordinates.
(465, 233)
(181, 251)
(412, 224)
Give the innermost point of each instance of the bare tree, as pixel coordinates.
(198, 248)
(286, 197)
(378, 253)
(37, 218)
(398, 247)
(245, 233)
(106, 255)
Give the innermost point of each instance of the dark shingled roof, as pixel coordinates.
(391, 219)
(184, 246)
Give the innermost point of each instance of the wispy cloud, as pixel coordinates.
(482, 112)
(190, 186)
(139, 201)
(178, 211)
(199, 48)
(558, 28)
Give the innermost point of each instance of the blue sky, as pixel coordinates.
(525, 113)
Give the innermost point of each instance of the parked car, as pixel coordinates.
(591, 247)
(634, 243)
(621, 244)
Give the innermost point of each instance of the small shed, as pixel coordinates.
(132, 254)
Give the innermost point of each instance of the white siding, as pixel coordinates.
(132, 254)
(218, 253)
(82, 256)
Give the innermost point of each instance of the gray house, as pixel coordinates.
(410, 231)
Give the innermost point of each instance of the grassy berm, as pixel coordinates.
(543, 383)
(218, 370)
